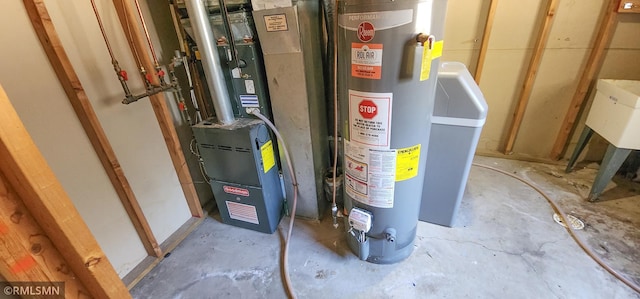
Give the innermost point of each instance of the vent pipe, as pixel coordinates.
(206, 42)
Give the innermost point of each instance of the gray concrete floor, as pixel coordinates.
(505, 244)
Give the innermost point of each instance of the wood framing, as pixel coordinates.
(629, 6)
(532, 72)
(144, 267)
(26, 253)
(36, 187)
(594, 62)
(160, 108)
(72, 86)
(486, 35)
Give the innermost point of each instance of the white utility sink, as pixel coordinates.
(615, 113)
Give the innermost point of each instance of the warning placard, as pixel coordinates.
(357, 169)
(408, 160)
(370, 118)
(370, 174)
(428, 55)
(366, 60)
(268, 158)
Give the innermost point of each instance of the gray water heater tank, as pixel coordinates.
(388, 55)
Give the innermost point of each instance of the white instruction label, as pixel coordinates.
(370, 118)
(250, 86)
(370, 174)
(276, 22)
(235, 73)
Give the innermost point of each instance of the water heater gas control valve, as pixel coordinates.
(360, 220)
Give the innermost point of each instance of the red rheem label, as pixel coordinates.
(366, 31)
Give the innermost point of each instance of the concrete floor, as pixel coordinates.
(505, 244)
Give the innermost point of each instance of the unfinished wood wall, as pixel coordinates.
(132, 130)
(137, 140)
(515, 29)
(43, 237)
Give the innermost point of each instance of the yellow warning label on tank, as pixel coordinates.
(268, 159)
(429, 53)
(436, 52)
(425, 68)
(407, 162)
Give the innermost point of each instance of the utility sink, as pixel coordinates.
(615, 113)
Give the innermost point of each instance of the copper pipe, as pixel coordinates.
(146, 34)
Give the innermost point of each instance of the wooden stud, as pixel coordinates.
(26, 253)
(629, 6)
(72, 86)
(594, 62)
(486, 35)
(26, 170)
(143, 268)
(532, 72)
(159, 104)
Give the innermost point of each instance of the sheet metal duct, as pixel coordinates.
(290, 39)
(210, 62)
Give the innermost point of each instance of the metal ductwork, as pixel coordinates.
(210, 61)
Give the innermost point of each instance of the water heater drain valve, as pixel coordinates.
(360, 221)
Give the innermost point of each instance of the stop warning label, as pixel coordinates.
(366, 60)
(368, 109)
(370, 118)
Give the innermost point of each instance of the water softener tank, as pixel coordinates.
(388, 58)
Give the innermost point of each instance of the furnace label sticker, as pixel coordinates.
(249, 86)
(376, 186)
(366, 61)
(268, 159)
(235, 73)
(236, 191)
(370, 118)
(249, 101)
(407, 162)
(276, 23)
(242, 212)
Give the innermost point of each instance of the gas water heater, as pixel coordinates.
(387, 66)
